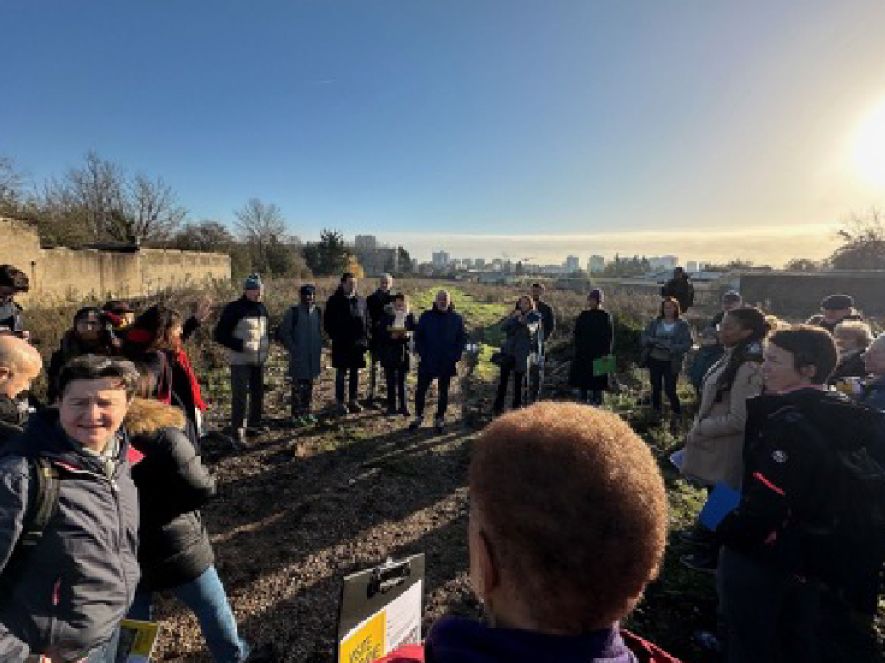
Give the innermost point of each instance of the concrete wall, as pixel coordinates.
(798, 294)
(74, 274)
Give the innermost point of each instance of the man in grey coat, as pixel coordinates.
(301, 332)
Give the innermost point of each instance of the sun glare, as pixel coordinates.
(869, 147)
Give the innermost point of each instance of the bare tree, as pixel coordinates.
(11, 182)
(260, 225)
(863, 242)
(152, 212)
(97, 188)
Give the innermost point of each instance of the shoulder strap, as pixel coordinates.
(43, 489)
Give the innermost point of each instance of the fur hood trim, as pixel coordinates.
(148, 416)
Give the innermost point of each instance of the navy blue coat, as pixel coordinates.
(439, 342)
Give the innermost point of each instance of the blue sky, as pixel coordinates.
(464, 123)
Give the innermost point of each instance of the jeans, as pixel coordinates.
(518, 381)
(352, 386)
(247, 383)
(395, 377)
(442, 401)
(769, 615)
(661, 372)
(302, 395)
(106, 653)
(206, 598)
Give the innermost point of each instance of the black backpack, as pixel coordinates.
(43, 489)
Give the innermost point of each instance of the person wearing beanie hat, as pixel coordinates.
(301, 332)
(243, 330)
(594, 338)
(833, 310)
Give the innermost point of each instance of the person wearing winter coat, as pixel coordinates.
(679, 288)
(301, 333)
(779, 542)
(714, 445)
(874, 361)
(439, 344)
(833, 310)
(376, 305)
(397, 326)
(159, 331)
(20, 364)
(559, 552)
(12, 282)
(174, 551)
(64, 598)
(243, 330)
(545, 333)
(665, 341)
(347, 324)
(518, 352)
(852, 337)
(88, 335)
(594, 339)
(711, 349)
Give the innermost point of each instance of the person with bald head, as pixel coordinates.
(439, 342)
(20, 364)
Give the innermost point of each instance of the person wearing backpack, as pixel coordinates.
(69, 521)
(556, 567)
(301, 333)
(20, 364)
(786, 534)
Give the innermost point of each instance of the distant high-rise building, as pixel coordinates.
(479, 263)
(663, 262)
(365, 243)
(440, 259)
(691, 266)
(572, 264)
(595, 264)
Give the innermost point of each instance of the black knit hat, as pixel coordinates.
(837, 302)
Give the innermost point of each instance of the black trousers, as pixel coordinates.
(442, 402)
(302, 395)
(662, 375)
(518, 381)
(247, 385)
(395, 377)
(769, 615)
(353, 383)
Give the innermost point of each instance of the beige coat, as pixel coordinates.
(714, 447)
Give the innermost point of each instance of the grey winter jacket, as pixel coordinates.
(668, 346)
(522, 339)
(76, 585)
(302, 334)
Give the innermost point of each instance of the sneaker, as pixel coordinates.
(701, 561)
(416, 423)
(439, 424)
(353, 407)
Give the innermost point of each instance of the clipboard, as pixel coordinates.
(380, 610)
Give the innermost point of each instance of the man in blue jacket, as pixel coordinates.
(439, 342)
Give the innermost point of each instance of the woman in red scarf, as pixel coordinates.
(155, 341)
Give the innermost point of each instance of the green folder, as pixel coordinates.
(604, 365)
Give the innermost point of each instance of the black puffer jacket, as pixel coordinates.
(172, 485)
(77, 584)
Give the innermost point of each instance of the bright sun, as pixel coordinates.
(869, 147)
